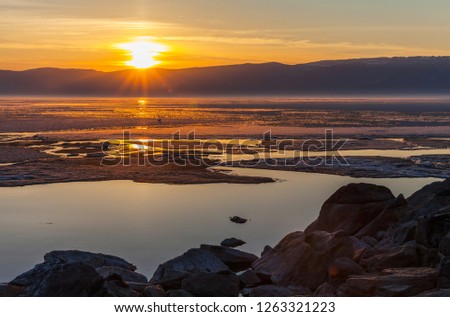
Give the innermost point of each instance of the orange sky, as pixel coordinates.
(87, 33)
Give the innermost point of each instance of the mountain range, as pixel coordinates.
(398, 75)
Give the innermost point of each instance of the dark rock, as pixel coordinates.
(358, 194)
(250, 279)
(303, 260)
(427, 256)
(127, 276)
(429, 199)
(402, 256)
(351, 208)
(341, 268)
(325, 290)
(179, 293)
(266, 250)
(236, 260)
(380, 235)
(113, 286)
(433, 227)
(153, 291)
(232, 242)
(237, 219)
(213, 284)
(391, 282)
(68, 280)
(300, 290)
(444, 245)
(444, 272)
(7, 290)
(137, 287)
(55, 258)
(403, 232)
(193, 261)
(369, 240)
(435, 293)
(270, 291)
(387, 218)
(171, 279)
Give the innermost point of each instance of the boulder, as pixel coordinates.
(433, 228)
(137, 287)
(303, 260)
(93, 259)
(153, 291)
(127, 276)
(325, 290)
(212, 284)
(341, 268)
(236, 260)
(401, 256)
(266, 250)
(371, 241)
(171, 279)
(232, 243)
(435, 293)
(113, 286)
(444, 272)
(68, 280)
(300, 290)
(391, 282)
(429, 199)
(351, 208)
(179, 293)
(403, 232)
(444, 245)
(249, 278)
(269, 291)
(192, 261)
(387, 218)
(55, 258)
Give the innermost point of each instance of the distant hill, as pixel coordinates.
(412, 75)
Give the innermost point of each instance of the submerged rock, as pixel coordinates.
(237, 219)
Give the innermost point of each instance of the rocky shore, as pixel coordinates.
(365, 242)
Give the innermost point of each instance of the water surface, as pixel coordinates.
(148, 224)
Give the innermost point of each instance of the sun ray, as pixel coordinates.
(143, 53)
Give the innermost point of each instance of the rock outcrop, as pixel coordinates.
(77, 273)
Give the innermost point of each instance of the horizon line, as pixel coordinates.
(228, 65)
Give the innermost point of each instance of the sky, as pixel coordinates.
(196, 33)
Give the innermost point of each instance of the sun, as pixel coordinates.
(143, 53)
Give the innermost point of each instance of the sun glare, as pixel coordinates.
(143, 53)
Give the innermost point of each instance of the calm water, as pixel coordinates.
(149, 223)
